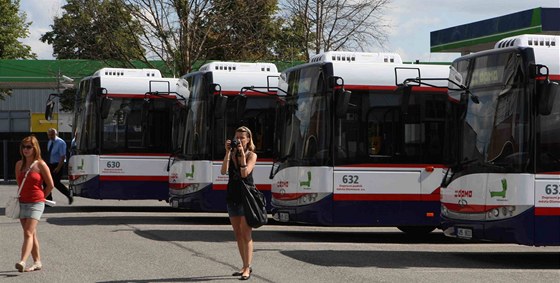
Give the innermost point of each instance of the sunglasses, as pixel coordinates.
(26, 147)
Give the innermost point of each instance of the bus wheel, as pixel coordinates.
(417, 230)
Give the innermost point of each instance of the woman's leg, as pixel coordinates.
(236, 224)
(35, 251)
(247, 239)
(29, 229)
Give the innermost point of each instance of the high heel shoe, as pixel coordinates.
(241, 273)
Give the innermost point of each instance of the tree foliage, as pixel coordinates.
(184, 32)
(172, 30)
(97, 30)
(243, 30)
(329, 25)
(13, 26)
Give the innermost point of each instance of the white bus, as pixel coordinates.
(123, 127)
(354, 148)
(223, 96)
(505, 183)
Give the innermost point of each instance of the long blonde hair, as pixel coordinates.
(36, 149)
(250, 145)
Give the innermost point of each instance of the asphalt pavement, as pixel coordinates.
(147, 241)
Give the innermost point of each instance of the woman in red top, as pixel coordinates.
(32, 198)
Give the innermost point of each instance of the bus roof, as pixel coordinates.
(545, 47)
(378, 69)
(134, 81)
(357, 57)
(129, 73)
(239, 67)
(233, 76)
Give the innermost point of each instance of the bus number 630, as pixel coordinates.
(113, 164)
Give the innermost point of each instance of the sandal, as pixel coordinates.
(20, 266)
(239, 273)
(36, 266)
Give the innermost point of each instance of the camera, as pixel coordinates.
(234, 143)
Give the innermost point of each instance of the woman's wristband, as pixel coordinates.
(242, 166)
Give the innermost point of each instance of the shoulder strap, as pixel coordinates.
(25, 177)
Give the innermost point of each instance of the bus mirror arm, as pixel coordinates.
(49, 108)
(547, 96)
(106, 107)
(446, 179)
(406, 83)
(220, 106)
(342, 102)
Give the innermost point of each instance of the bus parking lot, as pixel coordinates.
(147, 241)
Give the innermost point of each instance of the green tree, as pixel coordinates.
(289, 44)
(246, 30)
(330, 25)
(96, 30)
(13, 26)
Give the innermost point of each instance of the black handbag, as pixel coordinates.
(254, 205)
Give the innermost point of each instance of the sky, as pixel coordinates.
(410, 21)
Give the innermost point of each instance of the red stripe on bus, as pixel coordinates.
(286, 196)
(136, 154)
(547, 211)
(74, 177)
(442, 90)
(223, 187)
(248, 93)
(135, 178)
(549, 173)
(470, 208)
(138, 95)
(178, 186)
(385, 197)
(379, 165)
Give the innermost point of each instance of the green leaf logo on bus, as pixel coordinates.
(501, 193)
(190, 175)
(306, 183)
(81, 166)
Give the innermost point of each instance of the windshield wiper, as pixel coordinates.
(454, 168)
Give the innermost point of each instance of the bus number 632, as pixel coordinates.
(551, 189)
(350, 179)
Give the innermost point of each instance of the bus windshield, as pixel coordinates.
(303, 118)
(136, 125)
(495, 132)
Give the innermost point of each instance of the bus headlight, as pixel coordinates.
(444, 210)
(503, 212)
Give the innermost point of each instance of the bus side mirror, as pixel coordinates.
(49, 107)
(547, 96)
(49, 110)
(220, 106)
(105, 107)
(240, 106)
(342, 101)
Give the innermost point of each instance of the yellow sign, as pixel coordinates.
(40, 124)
